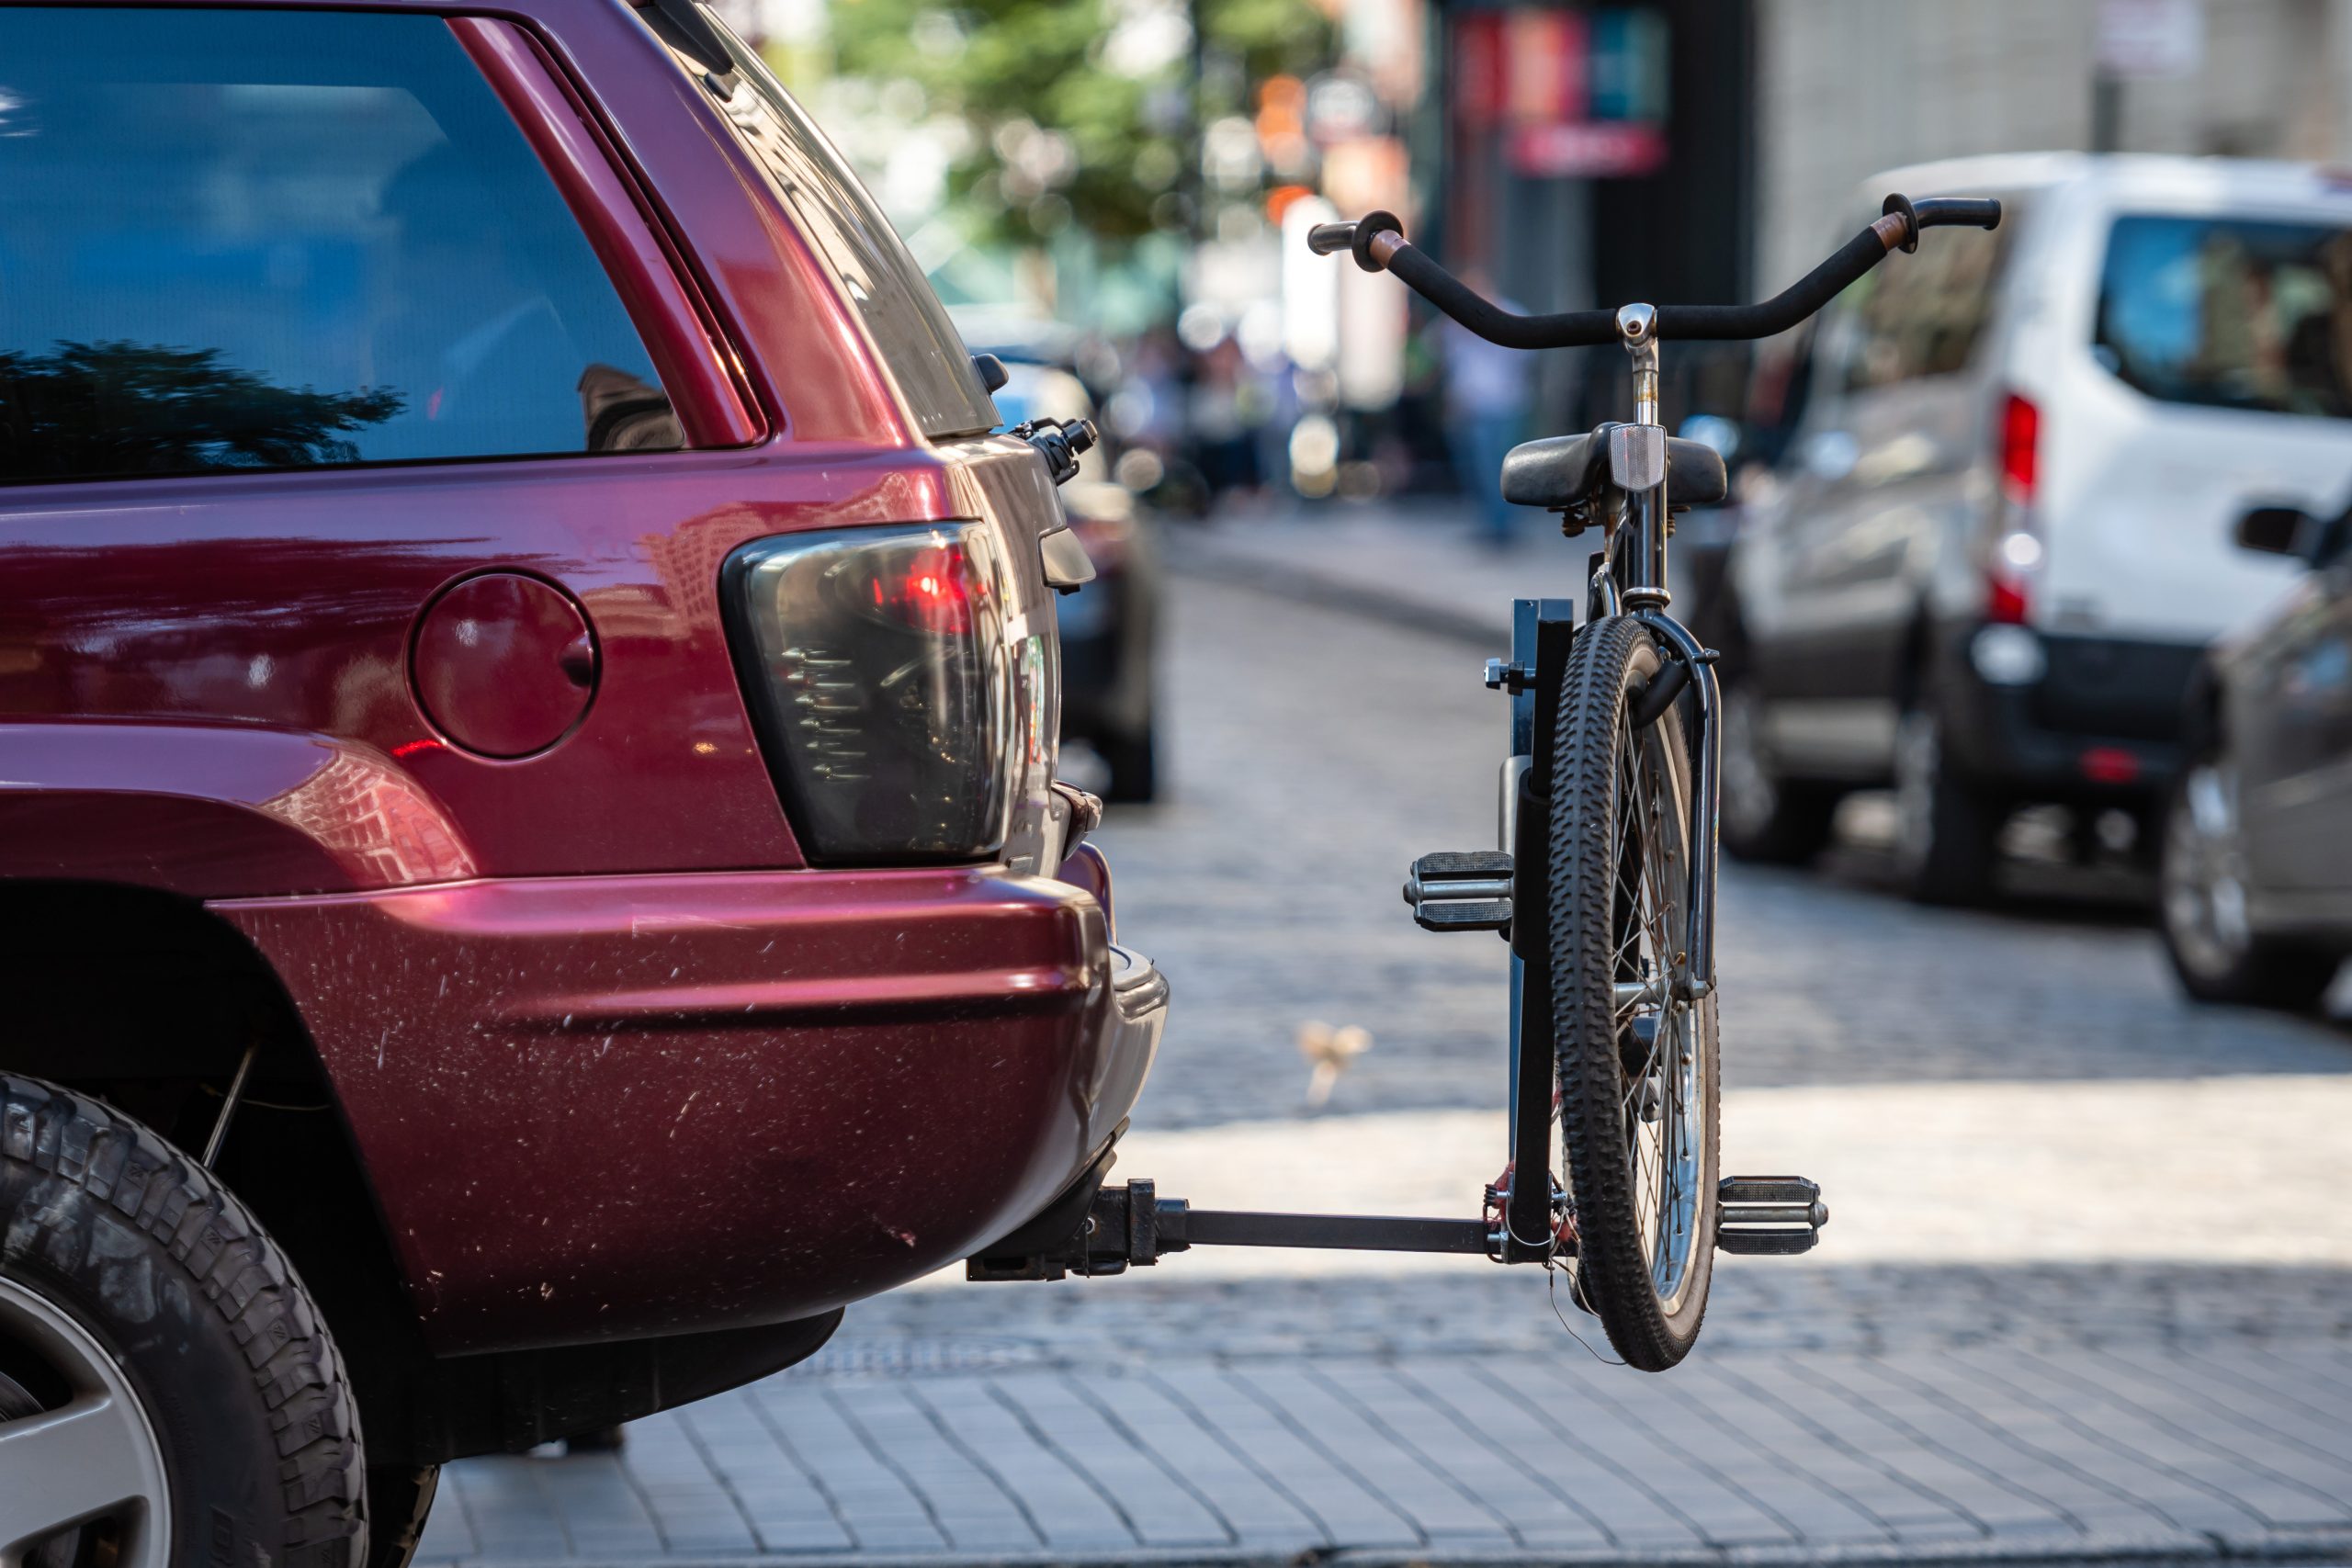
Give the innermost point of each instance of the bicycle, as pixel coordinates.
(1604, 880)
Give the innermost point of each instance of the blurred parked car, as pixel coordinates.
(1110, 627)
(530, 861)
(2256, 867)
(2000, 536)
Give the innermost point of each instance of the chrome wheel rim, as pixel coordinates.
(2203, 875)
(1749, 794)
(86, 1466)
(1662, 1101)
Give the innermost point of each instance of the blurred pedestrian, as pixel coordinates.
(1486, 414)
(1223, 413)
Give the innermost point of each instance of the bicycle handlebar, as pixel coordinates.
(1378, 243)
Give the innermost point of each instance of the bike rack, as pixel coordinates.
(1095, 1228)
(1131, 1226)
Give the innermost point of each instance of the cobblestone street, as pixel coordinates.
(2087, 1291)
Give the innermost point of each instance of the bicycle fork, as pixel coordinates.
(1637, 465)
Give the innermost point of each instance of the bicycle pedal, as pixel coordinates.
(1768, 1216)
(1461, 891)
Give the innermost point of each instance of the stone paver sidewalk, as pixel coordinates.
(2147, 1451)
(1902, 1412)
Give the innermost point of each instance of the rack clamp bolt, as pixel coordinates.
(1512, 678)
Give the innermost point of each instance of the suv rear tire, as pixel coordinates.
(143, 1308)
(1947, 833)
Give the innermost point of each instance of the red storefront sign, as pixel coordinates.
(1481, 77)
(1589, 149)
(1549, 63)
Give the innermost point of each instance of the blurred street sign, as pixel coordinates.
(1594, 149)
(2151, 40)
(1579, 93)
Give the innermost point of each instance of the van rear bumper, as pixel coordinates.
(619, 1107)
(2103, 724)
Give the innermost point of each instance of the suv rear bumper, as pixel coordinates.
(2102, 725)
(619, 1107)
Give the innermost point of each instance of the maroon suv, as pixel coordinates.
(531, 865)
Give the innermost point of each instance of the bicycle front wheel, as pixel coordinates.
(1638, 1097)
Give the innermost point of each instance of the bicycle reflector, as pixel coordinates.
(877, 668)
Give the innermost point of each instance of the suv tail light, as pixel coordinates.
(2017, 543)
(881, 671)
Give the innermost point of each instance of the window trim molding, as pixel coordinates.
(696, 364)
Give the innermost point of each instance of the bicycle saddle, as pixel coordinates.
(1560, 470)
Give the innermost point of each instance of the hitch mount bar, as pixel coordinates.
(1130, 1225)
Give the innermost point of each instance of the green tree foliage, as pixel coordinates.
(1058, 134)
(126, 408)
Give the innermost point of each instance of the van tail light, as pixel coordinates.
(2016, 544)
(2005, 599)
(882, 682)
(2020, 449)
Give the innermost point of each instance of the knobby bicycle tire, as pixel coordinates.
(1641, 1187)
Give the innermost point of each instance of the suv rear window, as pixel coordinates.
(2231, 312)
(841, 218)
(276, 239)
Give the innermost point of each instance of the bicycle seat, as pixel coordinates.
(1560, 470)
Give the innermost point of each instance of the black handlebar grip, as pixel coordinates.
(1331, 239)
(1958, 212)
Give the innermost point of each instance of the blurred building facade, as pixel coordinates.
(1847, 87)
(1573, 153)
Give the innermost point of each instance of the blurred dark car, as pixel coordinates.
(2257, 904)
(1110, 627)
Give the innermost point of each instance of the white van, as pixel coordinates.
(2000, 532)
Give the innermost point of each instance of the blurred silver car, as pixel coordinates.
(2257, 869)
(1999, 536)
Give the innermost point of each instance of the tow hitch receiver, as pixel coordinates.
(1130, 1225)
